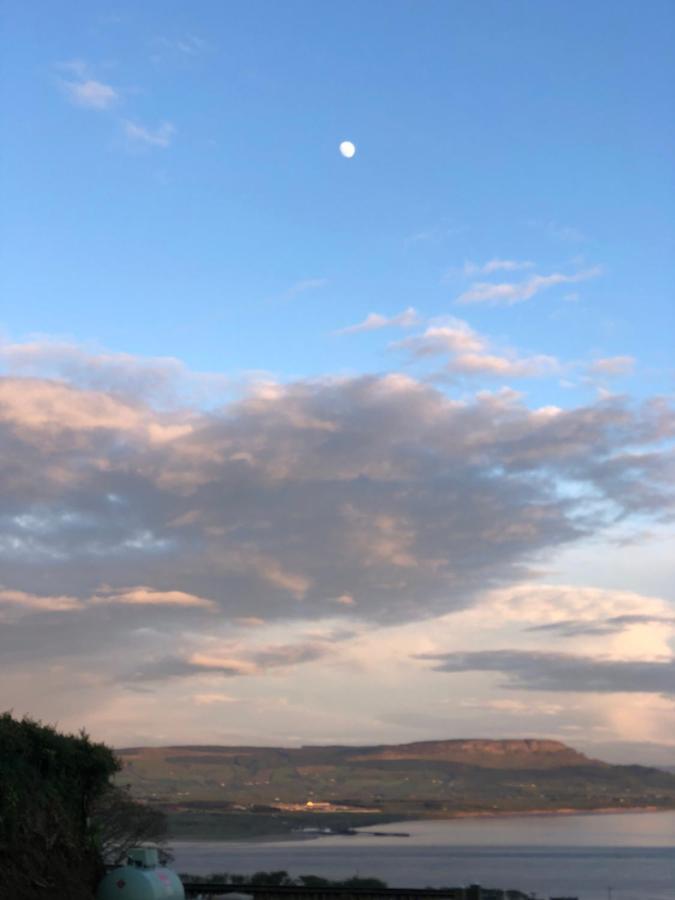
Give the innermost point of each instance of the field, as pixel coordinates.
(254, 792)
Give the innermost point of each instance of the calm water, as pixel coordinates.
(582, 856)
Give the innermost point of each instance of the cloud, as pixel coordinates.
(510, 293)
(375, 508)
(230, 662)
(145, 596)
(91, 94)
(496, 265)
(22, 602)
(376, 321)
(381, 489)
(303, 286)
(434, 234)
(516, 707)
(209, 699)
(619, 624)
(472, 354)
(566, 233)
(612, 366)
(162, 380)
(188, 45)
(570, 628)
(161, 136)
(552, 605)
(560, 672)
(558, 231)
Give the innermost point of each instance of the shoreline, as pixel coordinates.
(299, 836)
(562, 811)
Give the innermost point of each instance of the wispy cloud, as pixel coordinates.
(470, 353)
(496, 265)
(188, 45)
(232, 660)
(568, 234)
(142, 135)
(303, 286)
(91, 94)
(612, 366)
(434, 234)
(147, 596)
(376, 321)
(23, 602)
(210, 698)
(510, 293)
(84, 90)
(545, 671)
(164, 381)
(571, 628)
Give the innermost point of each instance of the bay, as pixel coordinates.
(629, 856)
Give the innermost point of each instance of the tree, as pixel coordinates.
(279, 877)
(49, 784)
(120, 823)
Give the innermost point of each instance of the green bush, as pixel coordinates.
(282, 878)
(49, 783)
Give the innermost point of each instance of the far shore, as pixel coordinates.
(562, 811)
(364, 830)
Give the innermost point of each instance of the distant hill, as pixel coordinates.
(426, 779)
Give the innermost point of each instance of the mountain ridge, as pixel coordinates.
(235, 791)
(482, 752)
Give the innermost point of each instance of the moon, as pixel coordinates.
(347, 149)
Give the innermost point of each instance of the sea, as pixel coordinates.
(627, 856)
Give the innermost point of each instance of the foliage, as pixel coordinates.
(284, 879)
(120, 823)
(49, 783)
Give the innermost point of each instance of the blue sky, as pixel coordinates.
(476, 312)
(502, 131)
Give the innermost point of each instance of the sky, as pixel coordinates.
(297, 448)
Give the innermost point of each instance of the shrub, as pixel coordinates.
(49, 783)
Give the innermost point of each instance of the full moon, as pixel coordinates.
(347, 149)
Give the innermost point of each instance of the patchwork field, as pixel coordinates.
(250, 791)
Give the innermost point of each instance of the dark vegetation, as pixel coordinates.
(282, 878)
(60, 816)
(49, 783)
(234, 792)
(119, 823)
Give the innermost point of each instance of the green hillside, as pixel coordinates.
(250, 790)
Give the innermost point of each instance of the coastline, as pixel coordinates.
(556, 856)
(561, 811)
(469, 815)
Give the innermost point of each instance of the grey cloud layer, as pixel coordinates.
(156, 380)
(254, 662)
(611, 625)
(564, 671)
(280, 506)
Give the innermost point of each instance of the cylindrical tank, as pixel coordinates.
(141, 879)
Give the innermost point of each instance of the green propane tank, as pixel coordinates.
(141, 879)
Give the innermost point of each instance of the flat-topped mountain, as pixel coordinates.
(424, 779)
(503, 754)
(491, 754)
